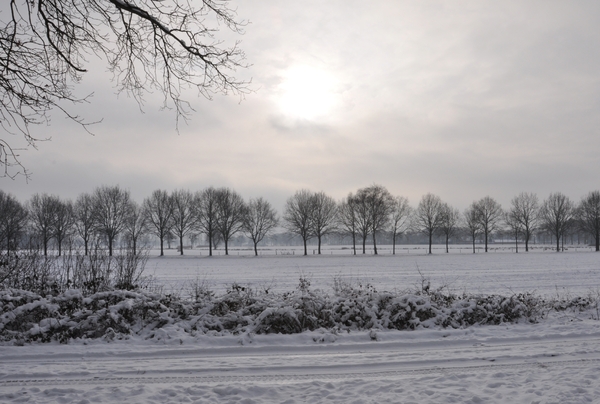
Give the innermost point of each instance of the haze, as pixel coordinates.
(462, 99)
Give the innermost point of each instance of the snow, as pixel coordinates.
(576, 271)
(556, 360)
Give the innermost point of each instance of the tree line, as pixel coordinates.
(374, 211)
(109, 214)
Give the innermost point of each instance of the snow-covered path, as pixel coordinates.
(556, 361)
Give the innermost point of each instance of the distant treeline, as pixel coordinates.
(108, 218)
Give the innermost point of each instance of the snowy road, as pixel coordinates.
(553, 362)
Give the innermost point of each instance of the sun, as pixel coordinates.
(306, 93)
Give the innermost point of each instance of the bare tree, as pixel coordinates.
(13, 221)
(588, 214)
(83, 211)
(400, 219)
(136, 226)
(231, 210)
(170, 237)
(298, 214)
(206, 203)
(111, 209)
(148, 45)
(524, 212)
(194, 237)
(348, 218)
(216, 239)
(184, 217)
(514, 225)
(490, 216)
(363, 218)
(557, 212)
(373, 207)
(324, 216)
(449, 222)
(472, 222)
(259, 221)
(379, 207)
(42, 210)
(64, 222)
(158, 210)
(428, 216)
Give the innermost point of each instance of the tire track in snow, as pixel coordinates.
(294, 377)
(363, 348)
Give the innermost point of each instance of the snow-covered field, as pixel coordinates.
(554, 361)
(573, 272)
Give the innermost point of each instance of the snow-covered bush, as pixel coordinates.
(407, 312)
(27, 316)
(70, 315)
(282, 320)
(579, 304)
(495, 309)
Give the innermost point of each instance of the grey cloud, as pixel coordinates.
(461, 99)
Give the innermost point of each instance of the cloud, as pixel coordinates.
(461, 99)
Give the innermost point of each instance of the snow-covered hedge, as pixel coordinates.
(27, 316)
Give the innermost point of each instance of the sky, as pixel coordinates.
(461, 99)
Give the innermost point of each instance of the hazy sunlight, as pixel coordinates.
(306, 93)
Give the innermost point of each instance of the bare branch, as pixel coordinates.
(148, 45)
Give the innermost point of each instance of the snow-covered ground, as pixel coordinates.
(557, 361)
(573, 272)
(554, 361)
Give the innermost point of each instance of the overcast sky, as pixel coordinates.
(462, 99)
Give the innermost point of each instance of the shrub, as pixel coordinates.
(279, 321)
(27, 316)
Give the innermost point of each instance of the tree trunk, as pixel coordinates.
(486, 241)
(394, 244)
(305, 250)
(162, 251)
(226, 246)
(319, 249)
(255, 248)
(354, 242)
(374, 244)
(447, 244)
(430, 241)
(181, 245)
(473, 243)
